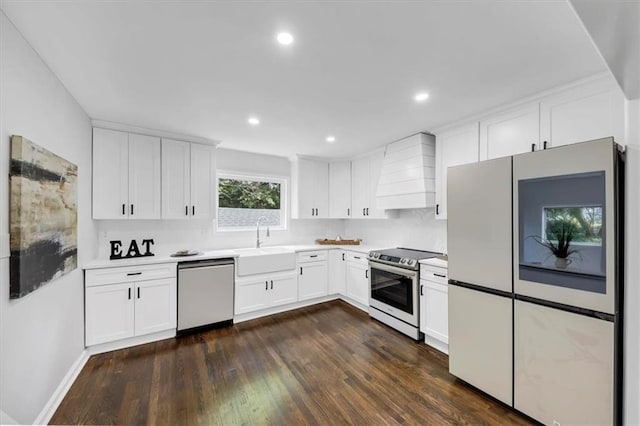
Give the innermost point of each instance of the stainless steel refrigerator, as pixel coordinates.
(535, 269)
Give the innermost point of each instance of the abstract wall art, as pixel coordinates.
(43, 218)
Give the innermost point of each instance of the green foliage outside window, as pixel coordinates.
(248, 194)
(585, 223)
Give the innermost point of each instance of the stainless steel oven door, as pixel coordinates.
(394, 291)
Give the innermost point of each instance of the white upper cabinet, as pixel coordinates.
(310, 188)
(587, 112)
(453, 148)
(188, 176)
(511, 132)
(126, 175)
(340, 189)
(365, 174)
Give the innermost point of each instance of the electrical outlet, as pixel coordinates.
(556, 423)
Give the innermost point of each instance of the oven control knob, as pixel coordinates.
(403, 261)
(410, 262)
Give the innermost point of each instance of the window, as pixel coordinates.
(582, 224)
(243, 199)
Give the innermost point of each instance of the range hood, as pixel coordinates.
(407, 179)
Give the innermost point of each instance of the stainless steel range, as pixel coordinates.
(394, 281)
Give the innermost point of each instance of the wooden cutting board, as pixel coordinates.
(338, 242)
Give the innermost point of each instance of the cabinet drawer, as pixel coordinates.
(434, 273)
(356, 257)
(94, 277)
(312, 256)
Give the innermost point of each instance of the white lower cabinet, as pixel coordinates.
(434, 307)
(337, 272)
(265, 291)
(357, 277)
(313, 277)
(132, 307)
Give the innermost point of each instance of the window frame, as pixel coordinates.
(256, 177)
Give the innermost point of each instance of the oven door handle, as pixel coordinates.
(393, 269)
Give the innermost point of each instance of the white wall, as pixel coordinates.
(41, 334)
(170, 236)
(414, 228)
(632, 287)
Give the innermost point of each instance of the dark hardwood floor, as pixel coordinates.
(324, 364)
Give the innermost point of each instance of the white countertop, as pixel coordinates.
(435, 261)
(214, 254)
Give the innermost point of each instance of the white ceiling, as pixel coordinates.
(202, 67)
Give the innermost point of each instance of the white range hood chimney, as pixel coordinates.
(407, 180)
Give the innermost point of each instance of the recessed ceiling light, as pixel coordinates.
(284, 38)
(254, 121)
(331, 139)
(421, 97)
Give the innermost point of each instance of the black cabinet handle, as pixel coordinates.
(363, 213)
(301, 270)
(437, 209)
(313, 255)
(317, 212)
(138, 292)
(131, 209)
(186, 210)
(271, 284)
(533, 147)
(348, 212)
(193, 210)
(133, 273)
(129, 293)
(440, 275)
(366, 273)
(123, 210)
(343, 257)
(544, 145)
(367, 211)
(421, 292)
(266, 285)
(312, 211)
(356, 257)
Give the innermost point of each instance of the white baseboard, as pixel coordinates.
(278, 309)
(52, 405)
(284, 308)
(133, 341)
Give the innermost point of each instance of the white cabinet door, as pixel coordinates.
(176, 177)
(202, 182)
(109, 313)
(155, 307)
(358, 282)
(375, 169)
(310, 184)
(453, 148)
(436, 314)
(509, 133)
(583, 114)
(321, 189)
(251, 296)
(337, 272)
(110, 174)
(340, 189)
(144, 177)
(359, 187)
(283, 290)
(313, 280)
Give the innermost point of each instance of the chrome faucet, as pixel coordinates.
(258, 242)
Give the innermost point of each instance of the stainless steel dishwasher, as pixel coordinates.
(205, 294)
